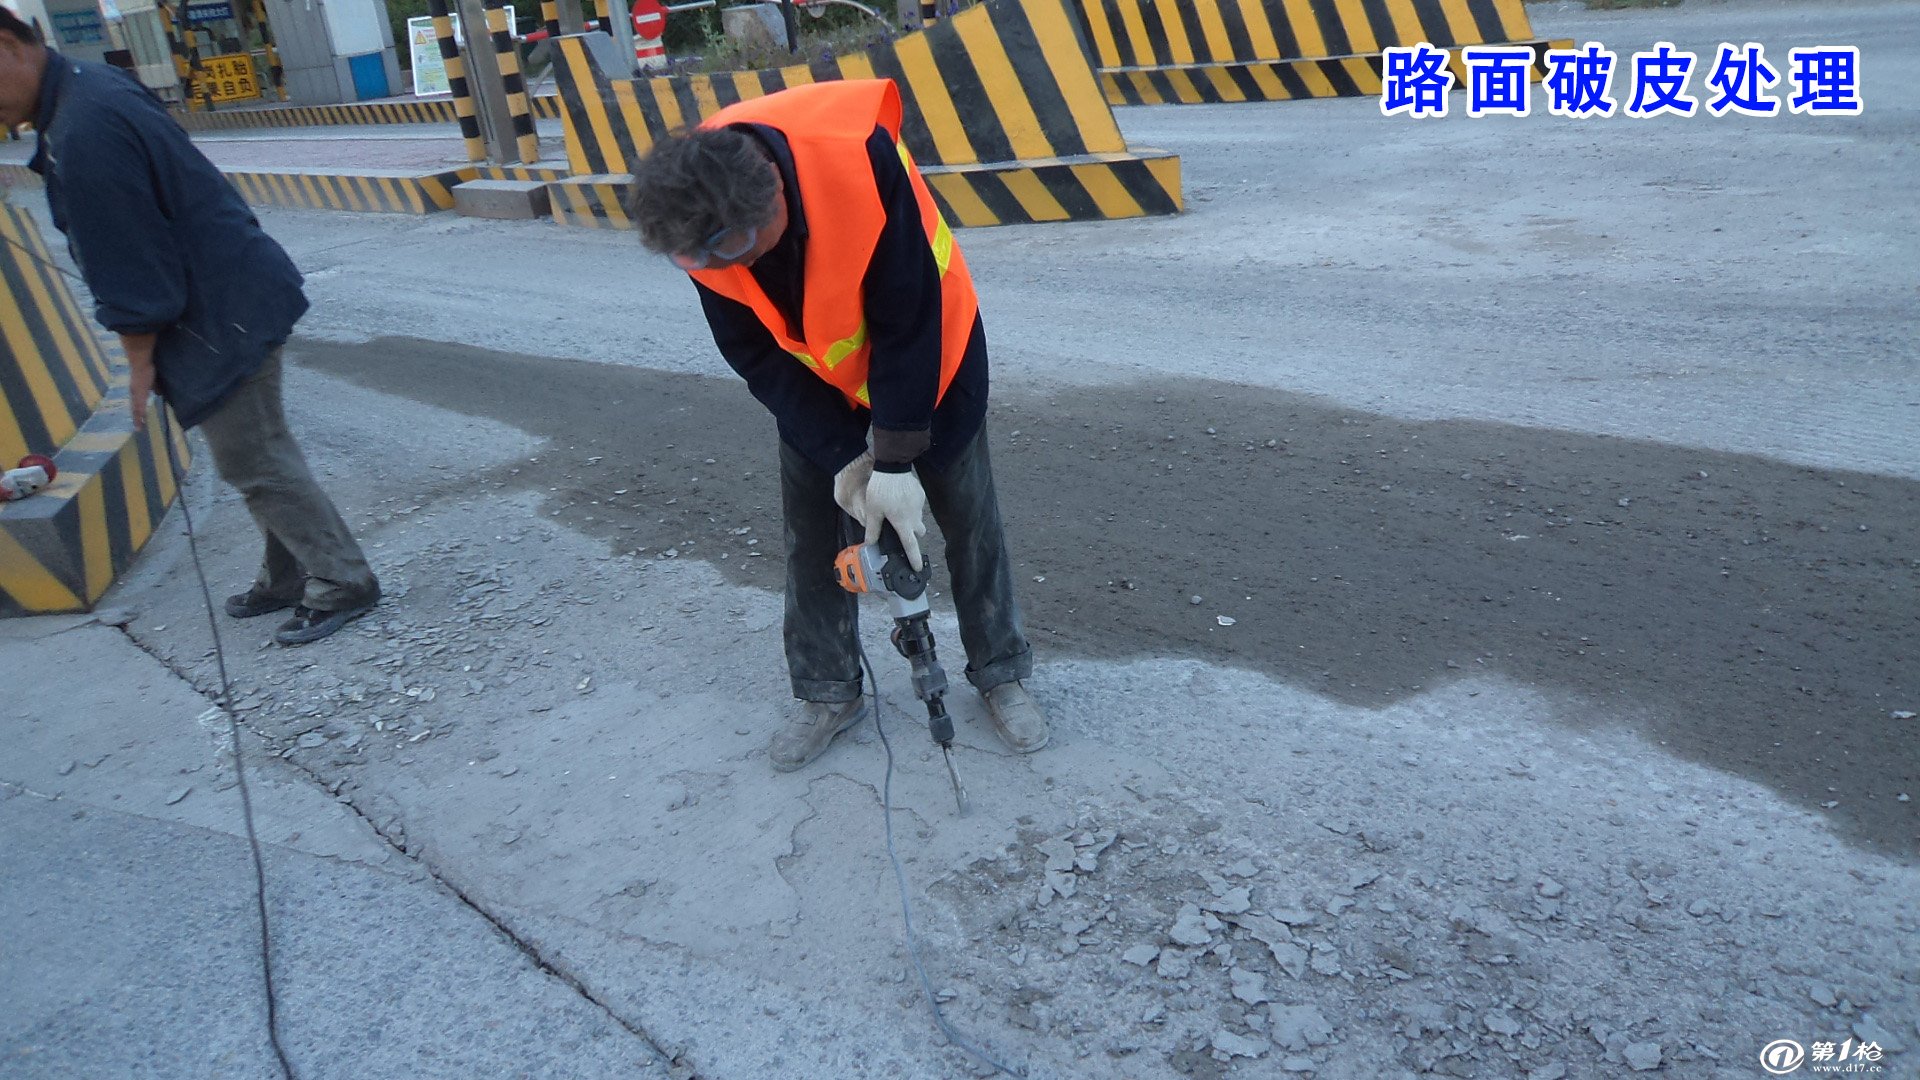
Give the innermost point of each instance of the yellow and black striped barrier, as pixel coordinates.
(391, 191)
(1003, 113)
(429, 111)
(62, 396)
(1153, 52)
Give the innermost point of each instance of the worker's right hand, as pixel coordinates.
(850, 486)
(139, 390)
(897, 499)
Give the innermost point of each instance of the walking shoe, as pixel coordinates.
(1017, 718)
(253, 602)
(312, 624)
(806, 737)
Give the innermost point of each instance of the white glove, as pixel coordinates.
(850, 486)
(899, 500)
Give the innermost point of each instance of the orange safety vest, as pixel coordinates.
(827, 126)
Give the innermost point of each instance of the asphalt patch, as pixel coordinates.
(1759, 617)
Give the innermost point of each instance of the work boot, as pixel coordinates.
(253, 602)
(806, 737)
(1017, 717)
(312, 624)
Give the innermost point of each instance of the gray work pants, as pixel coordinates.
(311, 557)
(821, 622)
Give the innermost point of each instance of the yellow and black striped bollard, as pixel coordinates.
(457, 80)
(526, 138)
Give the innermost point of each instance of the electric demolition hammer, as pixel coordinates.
(883, 569)
(33, 474)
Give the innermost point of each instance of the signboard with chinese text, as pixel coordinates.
(227, 78)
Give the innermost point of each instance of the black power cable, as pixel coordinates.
(167, 432)
(906, 907)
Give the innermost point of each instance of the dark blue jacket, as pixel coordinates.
(163, 240)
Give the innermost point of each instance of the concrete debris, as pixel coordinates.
(1239, 1045)
(1326, 960)
(1550, 888)
(1298, 1027)
(1188, 928)
(1501, 1024)
(1174, 964)
(1249, 986)
(1643, 1056)
(1822, 994)
(1234, 902)
(1553, 1071)
(1242, 869)
(180, 794)
(1059, 854)
(1297, 1064)
(1141, 955)
(69, 767)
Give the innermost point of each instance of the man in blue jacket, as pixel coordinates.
(202, 300)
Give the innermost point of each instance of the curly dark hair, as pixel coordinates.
(698, 183)
(14, 27)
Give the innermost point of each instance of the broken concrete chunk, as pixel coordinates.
(1550, 888)
(1293, 916)
(178, 795)
(1291, 958)
(1822, 994)
(1060, 883)
(1249, 986)
(1298, 1027)
(311, 740)
(69, 767)
(1140, 955)
(1554, 1071)
(1189, 928)
(1270, 931)
(1643, 1056)
(1239, 1045)
(1501, 1024)
(1232, 901)
(1242, 869)
(1326, 960)
(1059, 854)
(1298, 1063)
(1174, 964)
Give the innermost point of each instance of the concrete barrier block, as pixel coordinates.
(515, 200)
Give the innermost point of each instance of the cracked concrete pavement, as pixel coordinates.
(1530, 750)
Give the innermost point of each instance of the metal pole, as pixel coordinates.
(572, 21)
(618, 21)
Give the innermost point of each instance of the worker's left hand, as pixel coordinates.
(899, 500)
(850, 486)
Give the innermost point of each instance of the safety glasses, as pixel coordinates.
(716, 251)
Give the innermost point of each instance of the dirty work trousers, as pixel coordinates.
(821, 622)
(311, 557)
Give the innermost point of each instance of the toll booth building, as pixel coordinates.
(227, 53)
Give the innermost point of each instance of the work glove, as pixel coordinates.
(850, 486)
(899, 500)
